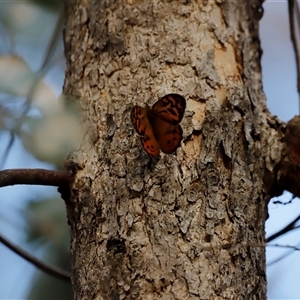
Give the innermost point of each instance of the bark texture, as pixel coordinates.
(186, 226)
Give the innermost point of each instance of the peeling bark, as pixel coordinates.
(138, 226)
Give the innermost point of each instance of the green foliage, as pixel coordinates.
(47, 229)
(46, 287)
(47, 223)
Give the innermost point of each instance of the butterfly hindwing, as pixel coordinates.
(150, 145)
(168, 136)
(170, 108)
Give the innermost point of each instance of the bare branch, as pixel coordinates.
(289, 227)
(35, 176)
(285, 203)
(284, 246)
(285, 255)
(51, 270)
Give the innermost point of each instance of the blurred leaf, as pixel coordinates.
(47, 226)
(22, 17)
(47, 222)
(54, 5)
(46, 287)
(5, 115)
(17, 79)
(54, 136)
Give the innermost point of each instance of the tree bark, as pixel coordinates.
(189, 225)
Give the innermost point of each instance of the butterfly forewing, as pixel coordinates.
(139, 119)
(143, 127)
(170, 108)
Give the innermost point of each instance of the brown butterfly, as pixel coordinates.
(158, 126)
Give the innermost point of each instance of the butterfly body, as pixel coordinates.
(158, 126)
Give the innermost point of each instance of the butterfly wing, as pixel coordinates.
(143, 127)
(170, 108)
(150, 145)
(165, 116)
(168, 136)
(158, 127)
(139, 119)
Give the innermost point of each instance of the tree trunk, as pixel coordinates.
(191, 224)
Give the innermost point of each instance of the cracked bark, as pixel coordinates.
(138, 226)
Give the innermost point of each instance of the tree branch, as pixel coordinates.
(35, 176)
(285, 255)
(51, 270)
(284, 230)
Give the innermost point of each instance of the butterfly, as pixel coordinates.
(158, 126)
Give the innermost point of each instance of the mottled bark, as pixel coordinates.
(139, 227)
